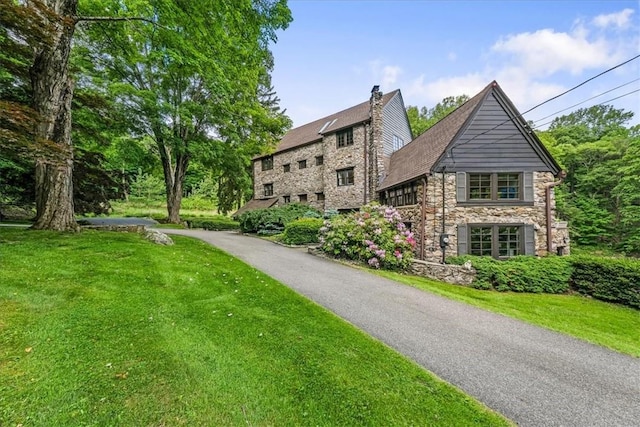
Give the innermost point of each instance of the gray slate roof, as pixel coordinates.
(313, 131)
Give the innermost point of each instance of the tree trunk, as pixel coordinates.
(52, 94)
(173, 180)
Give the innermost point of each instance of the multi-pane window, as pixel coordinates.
(302, 164)
(319, 160)
(286, 199)
(498, 241)
(287, 167)
(268, 190)
(495, 186)
(401, 196)
(345, 137)
(302, 198)
(345, 177)
(508, 186)
(267, 163)
(398, 142)
(320, 197)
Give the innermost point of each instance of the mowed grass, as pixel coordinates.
(105, 329)
(610, 325)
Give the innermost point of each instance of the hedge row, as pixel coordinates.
(302, 231)
(609, 279)
(520, 274)
(220, 223)
(273, 220)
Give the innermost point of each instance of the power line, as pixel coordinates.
(594, 105)
(519, 133)
(583, 83)
(512, 119)
(586, 100)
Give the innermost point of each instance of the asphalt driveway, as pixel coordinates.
(531, 375)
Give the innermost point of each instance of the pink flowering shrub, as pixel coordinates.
(375, 235)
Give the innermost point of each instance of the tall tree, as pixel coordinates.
(35, 115)
(421, 119)
(192, 79)
(37, 36)
(601, 193)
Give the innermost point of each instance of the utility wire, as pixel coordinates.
(586, 100)
(512, 119)
(519, 133)
(601, 103)
(583, 83)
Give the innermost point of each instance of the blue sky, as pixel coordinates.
(335, 51)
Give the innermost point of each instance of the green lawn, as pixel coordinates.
(609, 325)
(107, 329)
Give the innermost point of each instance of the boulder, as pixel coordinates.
(158, 237)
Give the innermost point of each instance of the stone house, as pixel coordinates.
(478, 182)
(336, 162)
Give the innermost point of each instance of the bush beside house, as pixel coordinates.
(273, 220)
(302, 231)
(375, 235)
(608, 279)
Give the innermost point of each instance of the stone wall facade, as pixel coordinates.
(455, 274)
(320, 182)
(455, 214)
(340, 158)
(307, 181)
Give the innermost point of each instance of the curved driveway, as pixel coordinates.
(531, 375)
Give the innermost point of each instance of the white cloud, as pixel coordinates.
(451, 56)
(429, 93)
(390, 75)
(619, 20)
(546, 52)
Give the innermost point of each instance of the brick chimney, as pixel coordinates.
(376, 163)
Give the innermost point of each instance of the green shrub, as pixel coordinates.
(301, 231)
(273, 220)
(520, 274)
(375, 235)
(609, 279)
(217, 223)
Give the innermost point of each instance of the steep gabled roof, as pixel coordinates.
(434, 148)
(417, 157)
(313, 131)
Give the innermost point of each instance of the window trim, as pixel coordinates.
(267, 163)
(264, 189)
(525, 188)
(397, 142)
(495, 238)
(347, 135)
(401, 195)
(353, 177)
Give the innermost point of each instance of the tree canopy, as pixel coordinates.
(192, 82)
(601, 193)
(421, 119)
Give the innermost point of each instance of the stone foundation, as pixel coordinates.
(454, 274)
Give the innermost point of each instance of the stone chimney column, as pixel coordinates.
(376, 163)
